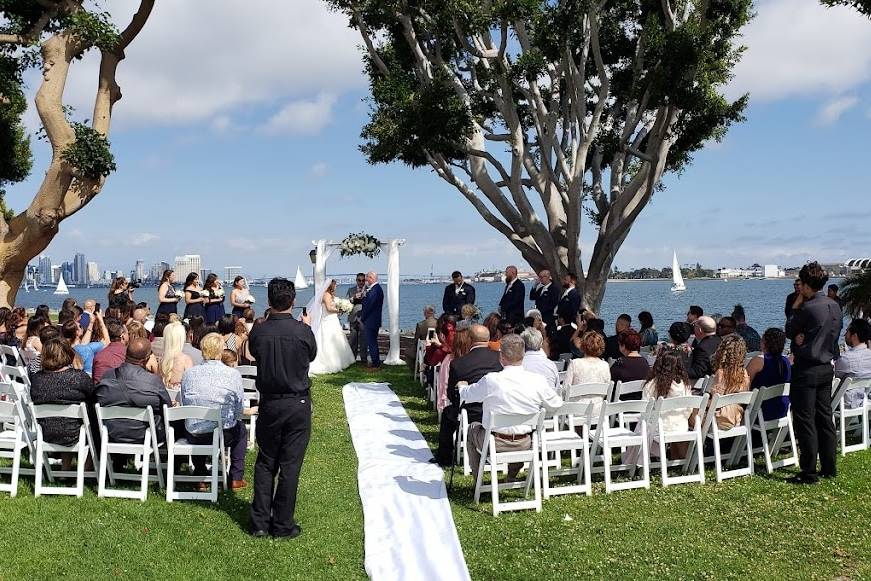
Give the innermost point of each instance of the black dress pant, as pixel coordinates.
(811, 395)
(449, 424)
(283, 431)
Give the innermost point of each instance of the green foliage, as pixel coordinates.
(856, 293)
(15, 160)
(863, 6)
(90, 153)
(95, 29)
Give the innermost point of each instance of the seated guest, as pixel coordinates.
(493, 323)
(32, 346)
(80, 340)
(248, 317)
(229, 358)
(678, 335)
(612, 345)
(461, 345)
(855, 362)
(175, 362)
(160, 324)
(649, 336)
(562, 337)
(598, 326)
(590, 368)
(510, 391)
(726, 326)
(470, 314)
(214, 385)
(441, 345)
(748, 333)
(136, 329)
(772, 367)
(132, 385)
(234, 333)
(631, 366)
(729, 377)
(535, 360)
(694, 313)
(114, 354)
(534, 320)
(46, 334)
(478, 362)
(59, 383)
(421, 330)
(707, 341)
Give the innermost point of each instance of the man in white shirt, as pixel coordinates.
(510, 391)
(536, 361)
(856, 361)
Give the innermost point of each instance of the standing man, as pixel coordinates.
(832, 293)
(357, 338)
(283, 348)
(570, 300)
(511, 304)
(814, 326)
(457, 294)
(370, 316)
(546, 295)
(790, 298)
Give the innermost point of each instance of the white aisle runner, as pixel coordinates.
(409, 532)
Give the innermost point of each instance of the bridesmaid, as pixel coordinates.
(238, 296)
(193, 297)
(166, 295)
(214, 299)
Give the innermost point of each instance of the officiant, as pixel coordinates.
(357, 337)
(457, 294)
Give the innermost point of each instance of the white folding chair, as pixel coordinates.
(701, 385)
(492, 459)
(462, 452)
(562, 364)
(774, 433)
(562, 380)
(419, 353)
(82, 448)
(750, 356)
(17, 375)
(11, 356)
(247, 370)
(250, 394)
(851, 419)
(693, 436)
(565, 438)
(606, 438)
(16, 394)
(741, 433)
(183, 447)
(11, 443)
(148, 449)
(596, 393)
(626, 388)
(432, 389)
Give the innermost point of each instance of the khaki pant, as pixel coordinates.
(476, 443)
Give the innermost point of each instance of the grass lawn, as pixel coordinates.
(759, 526)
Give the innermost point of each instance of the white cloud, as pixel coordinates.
(302, 117)
(143, 238)
(802, 48)
(319, 170)
(834, 109)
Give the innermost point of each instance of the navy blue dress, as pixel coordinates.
(775, 370)
(194, 309)
(214, 311)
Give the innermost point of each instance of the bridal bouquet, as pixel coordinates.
(343, 306)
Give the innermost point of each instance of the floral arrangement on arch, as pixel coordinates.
(360, 243)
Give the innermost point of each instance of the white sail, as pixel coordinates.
(676, 276)
(300, 279)
(61, 287)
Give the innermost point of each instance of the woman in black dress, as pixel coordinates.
(213, 293)
(166, 294)
(120, 293)
(193, 297)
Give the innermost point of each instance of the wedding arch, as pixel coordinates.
(325, 248)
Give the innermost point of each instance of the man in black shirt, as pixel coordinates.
(283, 348)
(814, 326)
(790, 298)
(457, 294)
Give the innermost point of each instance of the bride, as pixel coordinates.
(334, 352)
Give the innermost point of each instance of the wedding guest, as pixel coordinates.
(597, 325)
(612, 344)
(726, 326)
(694, 313)
(88, 310)
(137, 330)
(227, 329)
(443, 342)
(535, 360)
(534, 319)
(790, 298)
(832, 293)
(470, 315)
(729, 377)
(493, 323)
(120, 292)
(510, 391)
(32, 346)
(46, 334)
(590, 368)
(215, 386)
(513, 297)
(707, 341)
(193, 297)
(357, 338)
(114, 354)
(678, 335)
(569, 302)
(562, 337)
(80, 341)
(174, 362)
(631, 366)
(546, 294)
(769, 368)
(749, 334)
(229, 358)
(41, 311)
(649, 335)
(248, 316)
(457, 294)
(239, 297)
(166, 294)
(421, 330)
(16, 328)
(461, 345)
(855, 362)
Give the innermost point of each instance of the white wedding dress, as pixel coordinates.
(334, 351)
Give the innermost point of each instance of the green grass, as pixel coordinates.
(759, 526)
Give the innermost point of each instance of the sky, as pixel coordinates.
(237, 139)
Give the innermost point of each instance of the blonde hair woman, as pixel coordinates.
(174, 362)
(730, 377)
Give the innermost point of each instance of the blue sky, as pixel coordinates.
(245, 153)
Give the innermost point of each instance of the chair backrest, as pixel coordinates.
(745, 398)
(574, 411)
(247, 370)
(771, 392)
(628, 387)
(497, 421)
(566, 357)
(123, 413)
(863, 383)
(16, 374)
(249, 384)
(7, 392)
(839, 388)
(60, 410)
(8, 412)
(587, 391)
(699, 385)
(174, 394)
(191, 412)
(610, 409)
(562, 377)
(11, 356)
(684, 402)
(562, 364)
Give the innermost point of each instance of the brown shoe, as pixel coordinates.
(238, 485)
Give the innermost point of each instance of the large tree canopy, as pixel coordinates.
(52, 35)
(545, 112)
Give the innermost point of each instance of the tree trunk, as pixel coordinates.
(23, 241)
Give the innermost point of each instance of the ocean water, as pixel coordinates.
(763, 300)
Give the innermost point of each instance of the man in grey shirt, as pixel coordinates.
(856, 361)
(355, 326)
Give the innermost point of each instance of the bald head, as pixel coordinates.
(140, 315)
(371, 277)
(706, 325)
(138, 350)
(479, 334)
(510, 273)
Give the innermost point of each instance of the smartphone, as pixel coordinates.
(97, 308)
(430, 334)
(304, 312)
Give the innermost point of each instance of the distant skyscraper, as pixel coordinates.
(232, 272)
(80, 270)
(139, 270)
(157, 270)
(187, 264)
(46, 276)
(67, 269)
(107, 275)
(93, 272)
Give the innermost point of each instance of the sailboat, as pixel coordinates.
(300, 279)
(61, 287)
(676, 276)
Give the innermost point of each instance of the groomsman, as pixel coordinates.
(513, 297)
(546, 295)
(570, 301)
(457, 294)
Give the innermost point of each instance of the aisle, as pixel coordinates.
(409, 532)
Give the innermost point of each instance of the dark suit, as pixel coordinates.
(569, 305)
(700, 360)
(512, 303)
(370, 316)
(470, 368)
(453, 300)
(546, 300)
(132, 386)
(612, 348)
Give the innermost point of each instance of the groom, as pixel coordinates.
(370, 316)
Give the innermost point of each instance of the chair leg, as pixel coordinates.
(606, 456)
(700, 460)
(536, 473)
(717, 458)
(170, 472)
(663, 460)
(37, 490)
(80, 467)
(766, 448)
(146, 463)
(104, 467)
(494, 476)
